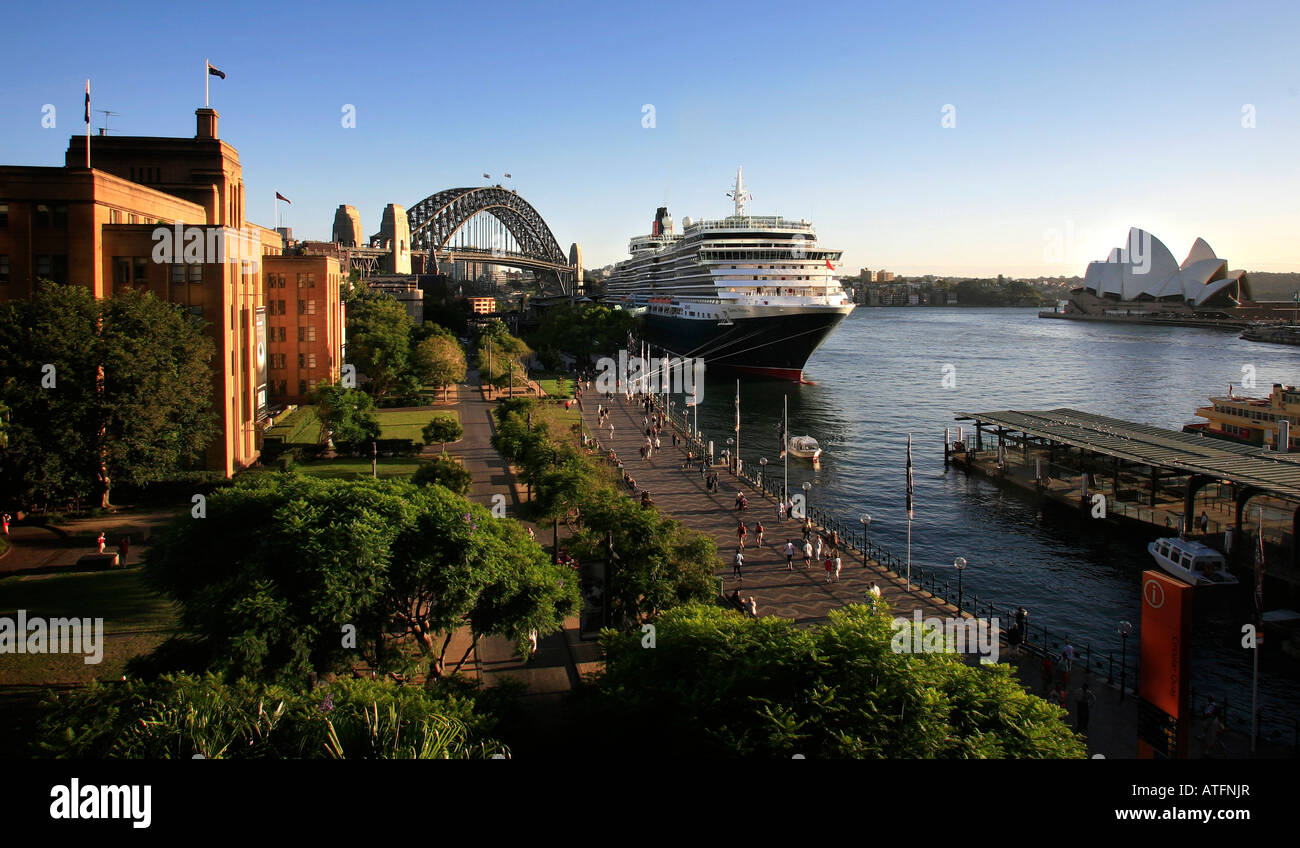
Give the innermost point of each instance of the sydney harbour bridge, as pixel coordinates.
(484, 224)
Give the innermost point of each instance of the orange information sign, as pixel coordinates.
(1163, 686)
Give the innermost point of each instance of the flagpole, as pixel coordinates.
(785, 446)
(206, 76)
(909, 512)
(736, 458)
(88, 125)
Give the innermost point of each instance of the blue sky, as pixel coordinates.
(1073, 121)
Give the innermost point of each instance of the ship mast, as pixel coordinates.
(739, 194)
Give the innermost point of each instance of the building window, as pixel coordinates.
(302, 360)
(61, 216)
(121, 271)
(59, 272)
(141, 276)
(4, 214)
(311, 307)
(311, 360)
(44, 267)
(43, 216)
(302, 387)
(300, 281)
(178, 274)
(311, 281)
(196, 274)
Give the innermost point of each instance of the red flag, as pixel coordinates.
(829, 265)
(279, 196)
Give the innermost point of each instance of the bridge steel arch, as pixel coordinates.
(436, 219)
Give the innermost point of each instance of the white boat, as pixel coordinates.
(1192, 562)
(805, 447)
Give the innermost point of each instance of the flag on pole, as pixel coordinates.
(87, 102)
(909, 477)
(507, 176)
(279, 196)
(487, 176)
(1259, 570)
(216, 73)
(829, 265)
(785, 436)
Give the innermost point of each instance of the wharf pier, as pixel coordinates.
(1158, 480)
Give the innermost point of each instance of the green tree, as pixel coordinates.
(345, 415)
(443, 471)
(271, 579)
(379, 341)
(100, 390)
(439, 360)
(723, 684)
(442, 429)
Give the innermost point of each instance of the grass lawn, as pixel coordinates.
(136, 620)
(351, 468)
(556, 386)
(301, 426)
(408, 424)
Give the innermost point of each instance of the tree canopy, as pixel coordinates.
(719, 683)
(282, 564)
(100, 390)
(345, 415)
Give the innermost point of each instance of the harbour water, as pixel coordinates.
(880, 377)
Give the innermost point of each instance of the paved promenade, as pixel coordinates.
(804, 595)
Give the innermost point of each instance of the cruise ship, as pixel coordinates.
(747, 292)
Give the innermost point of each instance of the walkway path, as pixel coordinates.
(804, 595)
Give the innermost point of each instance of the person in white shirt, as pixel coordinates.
(789, 556)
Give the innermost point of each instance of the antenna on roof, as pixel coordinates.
(104, 129)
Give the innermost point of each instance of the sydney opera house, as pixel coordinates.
(1143, 278)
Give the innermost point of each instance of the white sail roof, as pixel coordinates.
(1145, 267)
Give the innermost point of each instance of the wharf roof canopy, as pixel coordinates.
(1145, 269)
(1144, 444)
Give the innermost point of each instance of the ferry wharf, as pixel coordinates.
(1150, 478)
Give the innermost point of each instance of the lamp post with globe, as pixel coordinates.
(865, 518)
(960, 564)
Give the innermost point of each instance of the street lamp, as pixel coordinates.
(730, 458)
(865, 518)
(1124, 629)
(807, 487)
(960, 564)
(762, 467)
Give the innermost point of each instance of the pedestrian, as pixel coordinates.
(1049, 672)
(1205, 522)
(6, 518)
(873, 595)
(1013, 639)
(123, 546)
(780, 512)
(1022, 621)
(101, 540)
(1067, 659)
(839, 563)
(532, 640)
(753, 606)
(817, 551)
(1083, 709)
(758, 528)
(740, 534)
(789, 555)
(1060, 697)
(807, 554)
(739, 497)
(830, 564)
(736, 564)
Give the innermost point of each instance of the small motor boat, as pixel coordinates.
(1191, 562)
(805, 447)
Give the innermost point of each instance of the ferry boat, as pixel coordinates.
(805, 447)
(1191, 562)
(1254, 421)
(750, 293)
(1288, 334)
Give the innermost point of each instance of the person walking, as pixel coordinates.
(807, 554)
(830, 564)
(753, 606)
(817, 551)
(1048, 672)
(736, 564)
(873, 595)
(839, 563)
(101, 541)
(6, 518)
(1022, 621)
(740, 534)
(780, 514)
(1083, 709)
(1013, 639)
(789, 555)
(1067, 659)
(758, 528)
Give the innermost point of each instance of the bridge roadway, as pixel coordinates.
(804, 595)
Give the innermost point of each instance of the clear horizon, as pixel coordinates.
(1071, 125)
